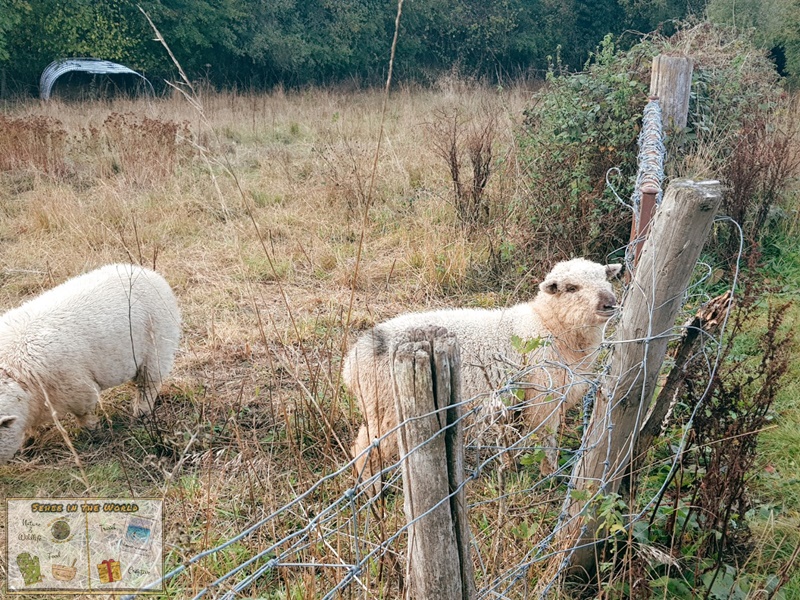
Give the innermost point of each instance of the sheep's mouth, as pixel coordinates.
(607, 313)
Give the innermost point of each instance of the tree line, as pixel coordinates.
(262, 43)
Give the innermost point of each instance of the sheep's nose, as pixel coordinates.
(608, 302)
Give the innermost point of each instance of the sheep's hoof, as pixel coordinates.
(143, 407)
(89, 421)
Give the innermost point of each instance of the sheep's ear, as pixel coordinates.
(613, 270)
(7, 420)
(549, 286)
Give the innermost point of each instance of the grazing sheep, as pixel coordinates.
(574, 302)
(93, 332)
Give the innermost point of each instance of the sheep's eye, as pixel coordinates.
(571, 288)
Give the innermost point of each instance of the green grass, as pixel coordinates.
(776, 487)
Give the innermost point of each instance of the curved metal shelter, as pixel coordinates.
(94, 66)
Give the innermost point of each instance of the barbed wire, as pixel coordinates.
(652, 153)
(649, 175)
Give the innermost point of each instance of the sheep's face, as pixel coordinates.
(13, 407)
(580, 292)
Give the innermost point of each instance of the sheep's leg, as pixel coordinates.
(359, 446)
(542, 416)
(84, 409)
(371, 463)
(148, 387)
(367, 463)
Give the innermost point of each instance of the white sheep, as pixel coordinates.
(92, 332)
(568, 314)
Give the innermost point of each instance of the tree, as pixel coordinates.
(11, 12)
(202, 34)
(46, 31)
(775, 25)
(649, 15)
(264, 42)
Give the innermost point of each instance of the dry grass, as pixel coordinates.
(254, 412)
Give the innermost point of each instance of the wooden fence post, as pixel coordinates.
(425, 371)
(671, 82)
(649, 310)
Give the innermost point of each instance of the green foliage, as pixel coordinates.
(775, 24)
(577, 128)
(651, 15)
(11, 12)
(725, 583)
(526, 346)
(295, 42)
(610, 511)
(88, 29)
(199, 32)
(702, 520)
(110, 29)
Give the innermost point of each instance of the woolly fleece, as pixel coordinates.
(574, 302)
(92, 332)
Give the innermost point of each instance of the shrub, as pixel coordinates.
(453, 139)
(32, 142)
(577, 127)
(142, 148)
(701, 517)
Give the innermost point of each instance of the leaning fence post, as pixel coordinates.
(425, 373)
(649, 310)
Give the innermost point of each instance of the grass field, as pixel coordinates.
(284, 234)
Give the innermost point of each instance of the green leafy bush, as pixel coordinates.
(577, 128)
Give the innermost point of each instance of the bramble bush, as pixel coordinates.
(578, 127)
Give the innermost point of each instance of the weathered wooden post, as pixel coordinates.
(649, 310)
(671, 83)
(425, 372)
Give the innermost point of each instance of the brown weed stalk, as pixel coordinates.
(32, 142)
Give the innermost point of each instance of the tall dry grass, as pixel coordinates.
(254, 411)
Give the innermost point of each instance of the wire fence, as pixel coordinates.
(339, 538)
